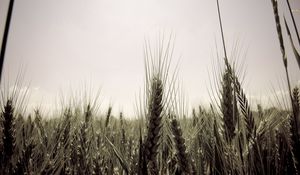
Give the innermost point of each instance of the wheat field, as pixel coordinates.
(231, 137)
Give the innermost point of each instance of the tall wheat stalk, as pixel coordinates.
(5, 35)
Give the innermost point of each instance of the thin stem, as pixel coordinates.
(5, 35)
(294, 23)
(291, 97)
(222, 33)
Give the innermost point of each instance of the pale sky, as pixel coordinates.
(69, 43)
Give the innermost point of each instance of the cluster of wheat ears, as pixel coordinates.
(228, 138)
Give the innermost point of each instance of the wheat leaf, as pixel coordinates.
(118, 154)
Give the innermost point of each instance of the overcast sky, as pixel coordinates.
(68, 43)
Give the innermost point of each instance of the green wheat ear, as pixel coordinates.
(182, 156)
(155, 123)
(227, 106)
(8, 137)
